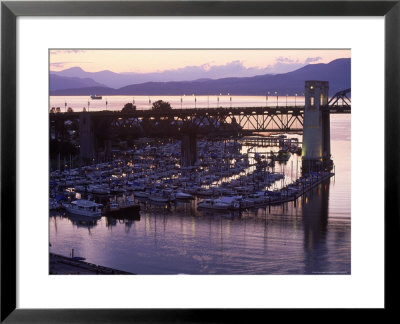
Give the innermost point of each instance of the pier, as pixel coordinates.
(61, 265)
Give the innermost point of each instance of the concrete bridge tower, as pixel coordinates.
(189, 150)
(316, 151)
(87, 138)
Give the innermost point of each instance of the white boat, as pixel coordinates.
(98, 190)
(141, 194)
(234, 202)
(160, 199)
(162, 196)
(205, 192)
(206, 203)
(258, 198)
(213, 204)
(84, 207)
(183, 195)
(224, 203)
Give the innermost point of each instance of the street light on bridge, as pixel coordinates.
(277, 98)
(295, 97)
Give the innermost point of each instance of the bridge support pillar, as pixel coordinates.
(189, 150)
(59, 129)
(316, 128)
(86, 138)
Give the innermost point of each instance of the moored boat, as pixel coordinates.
(162, 196)
(183, 195)
(84, 208)
(141, 194)
(224, 203)
(99, 190)
(54, 205)
(122, 208)
(129, 205)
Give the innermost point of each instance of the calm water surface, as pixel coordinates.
(310, 236)
(77, 103)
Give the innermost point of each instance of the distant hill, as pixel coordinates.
(106, 78)
(59, 82)
(337, 72)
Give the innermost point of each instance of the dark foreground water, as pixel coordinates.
(311, 236)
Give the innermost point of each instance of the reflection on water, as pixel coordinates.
(308, 236)
(292, 238)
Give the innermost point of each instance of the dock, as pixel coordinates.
(61, 265)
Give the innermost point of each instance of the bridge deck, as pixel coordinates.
(232, 111)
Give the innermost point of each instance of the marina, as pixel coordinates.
(230, 169)
(233, 180)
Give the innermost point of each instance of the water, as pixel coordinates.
(311, 236)
(77, 103)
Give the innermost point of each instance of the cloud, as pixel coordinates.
(280, 67)
(207, 70)
(282, 59)
(312, 59)
(58, 65)
(65, 65)
(210, 70)
(56, 52)
(287, 64)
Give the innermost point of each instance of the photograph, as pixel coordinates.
(199, 161)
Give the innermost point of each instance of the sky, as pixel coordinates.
(202, 63)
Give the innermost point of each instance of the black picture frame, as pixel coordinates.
(10, 10)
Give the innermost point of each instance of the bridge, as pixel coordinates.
(258, 119)
(97, 128)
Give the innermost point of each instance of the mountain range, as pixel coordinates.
(58, 82)
(75, 81)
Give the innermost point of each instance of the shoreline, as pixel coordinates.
(62, 265)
